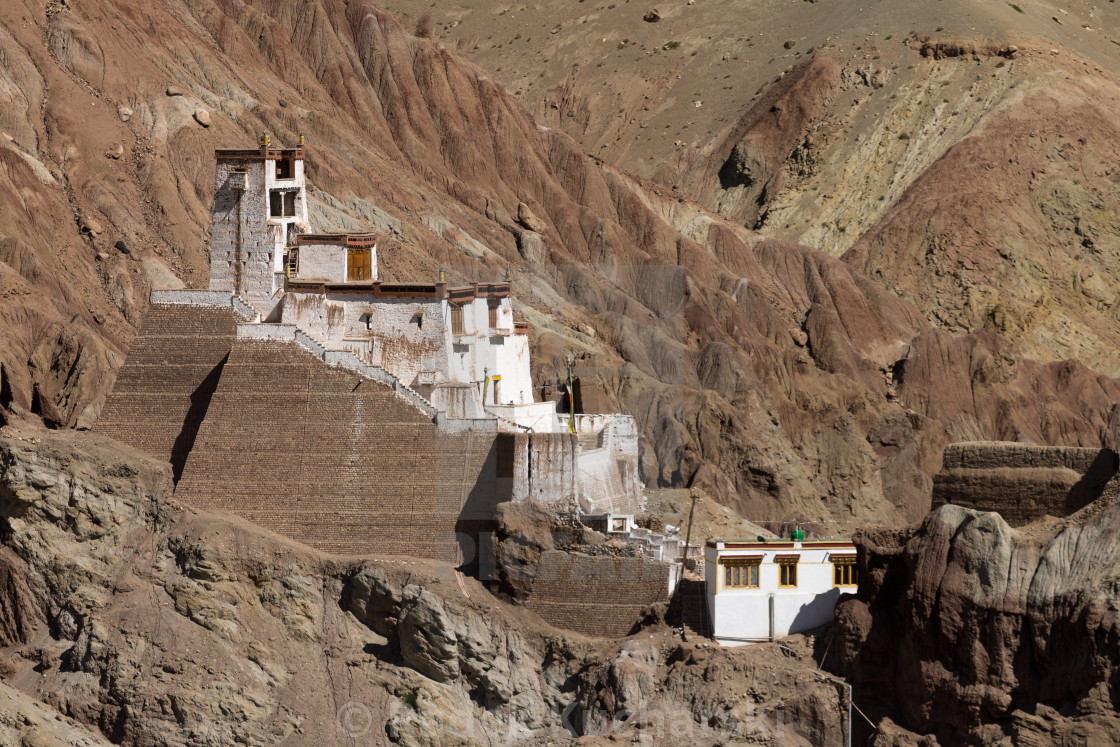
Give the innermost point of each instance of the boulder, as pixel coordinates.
(160, 276)
(174, 91)
(202, 117)
(92, 226)
(527, 218)
(115, 152)
(125, 113)
(652, 16)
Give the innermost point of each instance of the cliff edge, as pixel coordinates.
(1017, 629)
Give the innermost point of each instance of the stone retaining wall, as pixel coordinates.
(339, 462)
(1022, 482)
(597, 595)
(162, 392)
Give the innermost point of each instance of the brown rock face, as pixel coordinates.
(1038, 264)
(42, 406)
(151, 623)
(786, 381)
(975, 632)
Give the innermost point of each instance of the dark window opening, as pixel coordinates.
(286, 168)
(282, 204)
(787, 574)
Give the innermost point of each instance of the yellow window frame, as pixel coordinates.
(844, 571)
(787, 573)
(741, 573)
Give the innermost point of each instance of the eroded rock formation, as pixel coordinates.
(152, 623)
(766, 372)
(977, 633)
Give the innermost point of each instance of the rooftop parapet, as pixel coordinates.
(258, 154)
(342, 239)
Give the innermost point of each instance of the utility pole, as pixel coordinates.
(688, 533)
(571, 398)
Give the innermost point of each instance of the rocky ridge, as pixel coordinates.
(149, 622)
(973, 632)
(780, 380)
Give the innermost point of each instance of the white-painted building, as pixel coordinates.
(459, 347)
(456, 350)
(766, 589)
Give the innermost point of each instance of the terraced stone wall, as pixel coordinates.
(1022, 482)
(163, 390)
(340, 462)
(597, 595)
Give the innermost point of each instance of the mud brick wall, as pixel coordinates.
(590, 397)
(1022, 482)
(338, 462)
(405, 336)
(244, 268)
(551, 467)
(600, 596)
(162, 391)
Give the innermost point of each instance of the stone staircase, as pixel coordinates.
(342, 358)
(689, 607)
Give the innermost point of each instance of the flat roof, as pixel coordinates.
(377, 289)
(345, 239)
(777, 543)
(263, 154)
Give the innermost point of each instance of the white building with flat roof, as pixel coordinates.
(765, 589)
(457, 353)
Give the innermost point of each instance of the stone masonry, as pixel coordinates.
(162, 391)
(1022, 482)
(339, 462)
(597, 595)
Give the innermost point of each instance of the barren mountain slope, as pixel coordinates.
(156, 624)
(623, 89)
(965, 149)
(782, 379)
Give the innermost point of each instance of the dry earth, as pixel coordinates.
(779, 379)
(965, 150)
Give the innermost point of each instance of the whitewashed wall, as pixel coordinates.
(322, 262)
(404, 336)
(743, 615)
